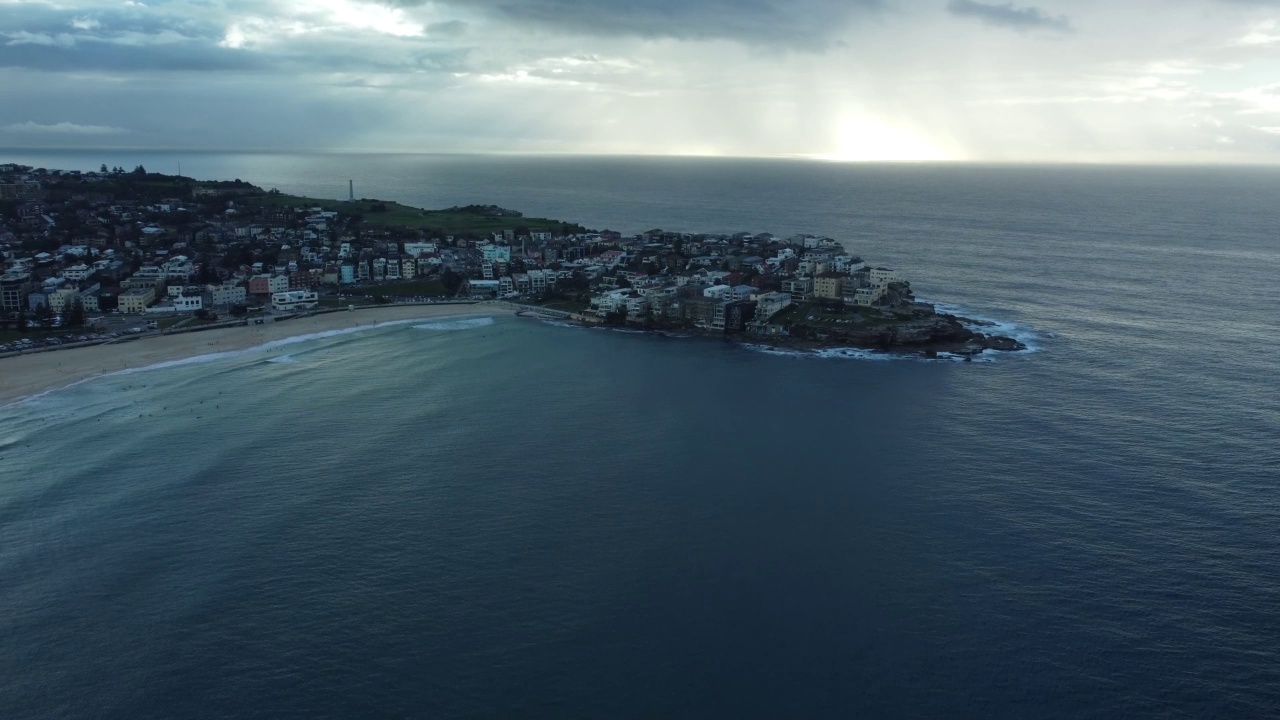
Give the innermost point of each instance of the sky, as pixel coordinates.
(1098, 81)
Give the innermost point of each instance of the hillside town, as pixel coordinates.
(82, 248)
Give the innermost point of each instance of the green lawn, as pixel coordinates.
(343, 302)
(409, 288)
(397, 215)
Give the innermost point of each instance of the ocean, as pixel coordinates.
(501, 516)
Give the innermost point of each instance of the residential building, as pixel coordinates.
(700, 310)
(77, 273)
(718, 292)
(738, 314)
(883, 276)
(147, 276)
(798, 288)
(268, 284)
(826, 286)
(497, 253)
(14, 288)
(136, 300)
(225, 295)
(415, 249)
(538, 281)
(771, 304)
(89, 299)
(870, 295)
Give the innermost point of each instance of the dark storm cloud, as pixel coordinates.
(762, 22)
(1009, 15)
(44, 38)
(54, 40)
(100, 24)
(451, 28)
(109, 57)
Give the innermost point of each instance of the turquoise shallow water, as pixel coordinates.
(510, 517)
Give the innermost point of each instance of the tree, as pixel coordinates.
(139, 170)
(103, 169)
(452, 281)
(45, 315)
(73, 314)
(22, 320)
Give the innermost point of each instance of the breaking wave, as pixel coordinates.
(456, 324)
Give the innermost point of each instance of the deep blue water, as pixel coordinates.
(522, 519)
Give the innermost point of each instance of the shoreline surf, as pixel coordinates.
(27, 377)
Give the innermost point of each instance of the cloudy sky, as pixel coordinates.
(902, 80)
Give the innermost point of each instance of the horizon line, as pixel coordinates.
(805, 157)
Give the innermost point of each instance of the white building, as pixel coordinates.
(294, 300)
(77, 273)
(497, 253)
(538, 281)
(771, 304)
(869, 296)
(719, 292)
(227, 295)
(415, 249)
(482, 288)
(180, 304)
(882, 276)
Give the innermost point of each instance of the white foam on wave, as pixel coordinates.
(779, 352)
(555, 322)
(283, 360)
(467, 324)
(228, 354)
(993, 326)
(855, 354)
(861, 354)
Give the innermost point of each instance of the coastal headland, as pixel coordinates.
(117, 270)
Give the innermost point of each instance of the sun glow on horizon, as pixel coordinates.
(858, 138)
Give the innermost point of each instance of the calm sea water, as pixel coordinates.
(503, 517)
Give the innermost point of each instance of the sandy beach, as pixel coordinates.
(27, 375)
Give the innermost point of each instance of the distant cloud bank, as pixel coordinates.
(62, 128)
